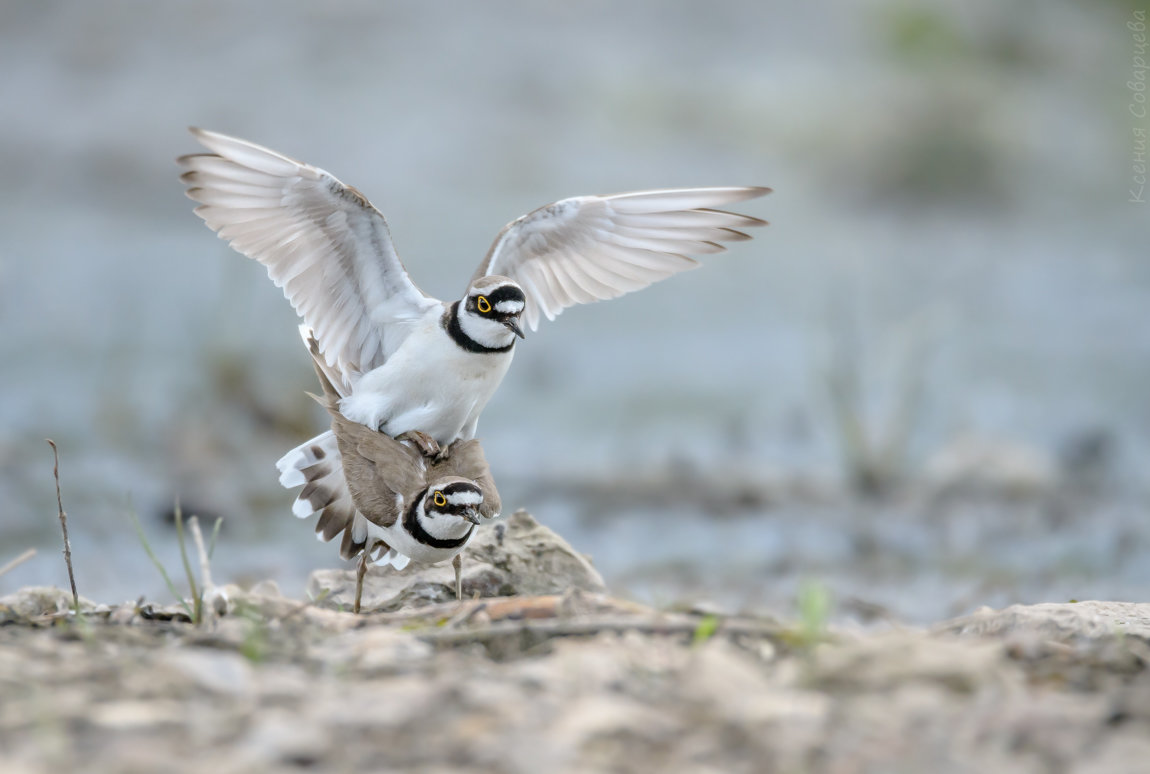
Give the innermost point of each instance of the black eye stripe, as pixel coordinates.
(460, 486)
(504, 293)
(449, 491)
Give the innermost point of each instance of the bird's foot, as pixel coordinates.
(427, 445)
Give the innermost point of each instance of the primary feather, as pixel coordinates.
(591, 248)
(321, 241)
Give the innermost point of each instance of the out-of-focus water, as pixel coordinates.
(951, 177)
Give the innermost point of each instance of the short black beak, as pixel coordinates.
(471, 515)
(513, 326)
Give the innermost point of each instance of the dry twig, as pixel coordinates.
(19, 560)
(215, 598)
(64, 525)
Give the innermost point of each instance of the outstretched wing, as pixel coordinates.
(589, 248)
(321, 241)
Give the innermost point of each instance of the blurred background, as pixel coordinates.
(925, 386)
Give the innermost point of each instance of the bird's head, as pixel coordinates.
(450, 507)
(490, 312)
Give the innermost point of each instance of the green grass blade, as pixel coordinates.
(156, 561)
(197, 601)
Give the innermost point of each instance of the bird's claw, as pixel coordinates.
(427, 445)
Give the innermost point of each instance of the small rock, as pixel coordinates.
(266, 588)
(215, 671)
(278, 737)
(524, 558)
(36, 601)
(373, 651)
(1069, 623)
(135, 715)
(890, 659)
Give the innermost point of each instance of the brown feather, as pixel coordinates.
(331, 523)
(383, 475)
(376, 467)
(317, 494)
(465, 460)
(350, 548)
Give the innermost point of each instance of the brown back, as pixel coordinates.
(466, 460)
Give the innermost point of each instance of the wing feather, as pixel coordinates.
(674, 199)
(376, 467)
(689, 219)
(321, 241)
(591, 248)
(677, 235)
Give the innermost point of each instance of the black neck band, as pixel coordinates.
(460, 337)
(411, 522)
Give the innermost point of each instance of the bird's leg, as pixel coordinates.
(457, 563)
(427, 445)
(359, 573)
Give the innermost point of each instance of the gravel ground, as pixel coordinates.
(572, 681)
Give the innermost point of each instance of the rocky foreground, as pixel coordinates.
(541, 670)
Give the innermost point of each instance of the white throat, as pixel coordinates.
(488, 333)
(442, 526)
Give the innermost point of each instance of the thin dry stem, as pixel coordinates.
(214, 598)
(205, 565)
(64, 525)
(19, 560)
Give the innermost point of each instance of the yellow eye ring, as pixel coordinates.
(483, 304)
(439, 500)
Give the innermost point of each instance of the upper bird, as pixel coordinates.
(411, 362)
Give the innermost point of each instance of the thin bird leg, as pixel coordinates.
(359, 573)
(457, 563)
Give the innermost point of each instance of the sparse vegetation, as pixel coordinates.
(875, 452)
(278, 680)
(194, 608)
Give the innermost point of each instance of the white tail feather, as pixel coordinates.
(291, 478)
(295, 470)
(303, 457)
(302, 509)
(392, 557)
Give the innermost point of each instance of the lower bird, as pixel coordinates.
(394, 499)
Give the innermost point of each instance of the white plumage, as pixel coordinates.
(591, 248)
(407, 361)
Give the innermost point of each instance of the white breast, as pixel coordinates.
(429, 384)
(398, 538)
